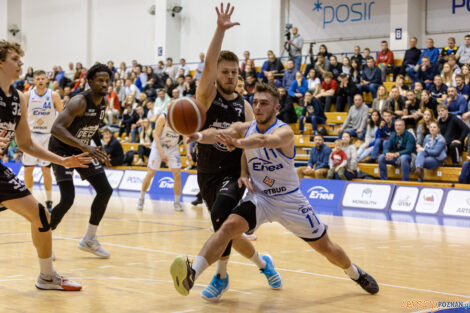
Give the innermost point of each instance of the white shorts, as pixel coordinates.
(173, 154)
(293, 211)
(43, 141)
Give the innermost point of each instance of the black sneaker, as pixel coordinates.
(182, 274)
(366, 281)
(49, 206)
(197, 201)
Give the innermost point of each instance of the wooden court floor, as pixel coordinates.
(411, 262)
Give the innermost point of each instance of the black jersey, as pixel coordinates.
(83, 127)
(10, 112)
(221, 114)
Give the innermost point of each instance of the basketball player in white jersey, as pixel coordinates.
(42, 105)
(274, 193)
(164, 148)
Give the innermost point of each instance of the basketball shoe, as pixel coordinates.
(182, 274)
(274, 278)
(93, 246)
(366, 281)
(56, 282)
(216, 288)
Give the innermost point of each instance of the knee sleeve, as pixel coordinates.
(43, 217)
(67, 196)
(221, 209)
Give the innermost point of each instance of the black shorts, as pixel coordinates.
(213, 185)
(11, 187)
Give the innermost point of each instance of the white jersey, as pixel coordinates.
(168, 137)
(272, 172)
(41, 112)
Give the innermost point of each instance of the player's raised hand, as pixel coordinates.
(4, 142)
(77, 160)
(223, 16)
(245, 181)
(228, 141)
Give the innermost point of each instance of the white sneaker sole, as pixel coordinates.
(86, 249)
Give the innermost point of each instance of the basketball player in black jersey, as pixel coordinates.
(72, 132)
(218, 169)
(13, 193)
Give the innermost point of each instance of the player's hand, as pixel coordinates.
(77, 160)
(223, 17)
(4, 142)
(245, 181)
(189, 158)
(192, 138)
(96, 153)
(229, 142)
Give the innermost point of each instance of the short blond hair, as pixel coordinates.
(5, 46)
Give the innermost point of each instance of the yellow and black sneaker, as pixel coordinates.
(182, 274)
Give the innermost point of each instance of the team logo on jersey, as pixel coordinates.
(274, 191)
(86, 132)
(259, 164)
(3, 104)
(40, 111)
(166, 182)
(220, 125)
(268, 181)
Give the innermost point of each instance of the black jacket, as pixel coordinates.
(453, 128)
(114, 150)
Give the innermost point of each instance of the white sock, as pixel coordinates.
(352, 272)
(49, 195)
(199, 265)
(256, 258)
(46, 266)
(91, 231)
(177, 198)
(142, 194)
(222, 268)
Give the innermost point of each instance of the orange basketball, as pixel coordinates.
(186, 116)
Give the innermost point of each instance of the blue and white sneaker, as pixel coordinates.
(274, 278)
(215, 289)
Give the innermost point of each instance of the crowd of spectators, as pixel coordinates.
(421, 120)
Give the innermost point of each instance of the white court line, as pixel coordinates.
(135, 263)
(106, 266)
(185, 311)
(77, 269)
(12, 276)
(281, 269)
(382, 247)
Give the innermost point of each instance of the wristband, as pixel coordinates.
(199, 136)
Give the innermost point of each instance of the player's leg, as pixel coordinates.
(28, 177)
(37, 215)
(177, 188)
(145, 186)
(46, 173)
(67, 196)
(103, 191)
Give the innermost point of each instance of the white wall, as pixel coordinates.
(3, 19)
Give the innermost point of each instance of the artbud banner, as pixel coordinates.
(335, 19)
(448, 16)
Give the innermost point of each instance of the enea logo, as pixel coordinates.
(320, 193)
(166, 182)
(344, 12)
(460, 4)
(264, 165)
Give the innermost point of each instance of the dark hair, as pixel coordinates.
(467, 36)
(189, 75)
(226, 55)
(371, 122)
(39, 72)
(98, 68)
(387, 111)
(169, 59)
(262, 87)
(442, 106)
(399, 120)
(319, 135)
(369, 58)
(384, 41)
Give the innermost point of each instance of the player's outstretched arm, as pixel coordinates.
(244, 179)
(209, 136)
(27, 145)
(206, 90)
(282, 137)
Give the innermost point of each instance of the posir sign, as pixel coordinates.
(344, 12)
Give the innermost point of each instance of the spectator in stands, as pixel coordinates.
(29, 75)
(146, 139)
(356, 121)
(318, 160)
(251, 84)
(70, 73)
(432, 153)
(410, 59)
(295, 47)
(122, 70)
(428, 102)
(454, 131)
(169, 85)
(337, 161)
(372, 127)
(112, 98)
(453, 64)
(346, 68)
(462, 88)
(426, 72)
(312, 112)
(371, 78)
(437, 89)
(448, 76)
(241, 88)
(286, 112)
(386, 128)
(131, 89)
(396, 102)
(183, 66)
(324, 51)
(126, 121)
(356, 72)
(464, 177)
(345, 93)
(400, 84)
(450, 49)
(463, 54)
(150, 90)
(380, 103)
(271, 80)
(141, 77)
(455, 103)
(112, 147)
(249, 70)
(246, 58)
(137, 116)
(170, 69)
(423, 126)
(200, 65)
(466, 73)
(189, 86)
(411, 112)
(150, 109)
(78, 71)
(418, 88)
(175, 94)
(431, 53)
(160, 70)
(351, 156)
(357, 57)
(385, 60)
(289, 75)
(162, 101)
(158, 81)
(322, 64)
(314, 82)
(111, 115)
(326, 96)
(335, 67)
(272, 65)
(398, 151)
(297, 89)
